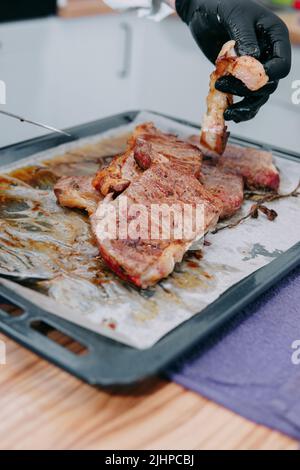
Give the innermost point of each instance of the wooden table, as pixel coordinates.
(42, 407)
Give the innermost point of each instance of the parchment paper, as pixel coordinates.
(141, 318)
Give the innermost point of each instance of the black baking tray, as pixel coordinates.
(108, 362)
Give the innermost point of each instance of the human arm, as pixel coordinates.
(257, 31)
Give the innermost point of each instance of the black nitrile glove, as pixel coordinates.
(257, 31)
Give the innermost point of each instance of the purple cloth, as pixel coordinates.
(248, 368)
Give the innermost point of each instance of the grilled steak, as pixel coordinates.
(146, 146)
(225, 186)
(77, 192)
(254, 165)
(144, 261)
(157, 169)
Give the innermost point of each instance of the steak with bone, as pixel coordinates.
(255, 166)
(225, 186)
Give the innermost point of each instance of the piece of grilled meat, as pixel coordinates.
(250, 71)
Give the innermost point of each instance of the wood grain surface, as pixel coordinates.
(77, 8)
(42, 407)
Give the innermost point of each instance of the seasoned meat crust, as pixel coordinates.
(159, 169)
(156, 169)
(254, 165)
(250, 71)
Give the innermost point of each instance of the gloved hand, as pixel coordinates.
(257, 31)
